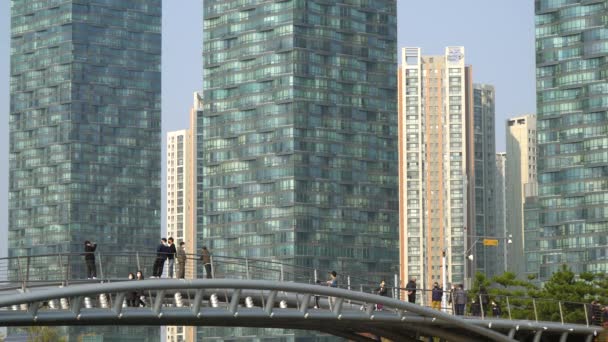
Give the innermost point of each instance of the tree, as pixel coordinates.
(564, 288)
(43, 334)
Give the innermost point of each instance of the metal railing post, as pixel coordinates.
(586, 314)
(247, 268)
(27, 271)
(65, 269)
(396, 286)
(20, 271)
(535, 313)
(212, 267)
(137, 260)
(282, 273)
(348, 284)
(561, 312)
(482, 308)
(100, 265)
(316, 276)
(509, 308)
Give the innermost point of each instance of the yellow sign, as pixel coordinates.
(490, 242)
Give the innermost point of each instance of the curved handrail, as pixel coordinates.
(174, 284)
(240, 268)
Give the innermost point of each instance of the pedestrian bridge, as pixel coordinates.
(342, 312)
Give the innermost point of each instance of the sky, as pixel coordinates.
(498, 37)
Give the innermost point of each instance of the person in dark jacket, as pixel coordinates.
(161, 256)
(381, 291)
(460, 300)
(89, 258)
(132, 297)
(436, 295)
(496, 310)
(206, 259)
(171, 256)
(475, 308)
(411, 290)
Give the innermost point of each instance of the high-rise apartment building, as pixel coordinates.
(572, 94)
(179, 145)
(181, 203)
(181, 185)
(500, 204)
(484, 153)
(85, 135)
(299, 130)
(435, 169)
(520, 174)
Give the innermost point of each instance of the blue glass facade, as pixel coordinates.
(486, 257)
(84, 128)
(299, 133)
(572, 105)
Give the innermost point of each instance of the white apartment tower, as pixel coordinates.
(520, 175)
(435, 166)
(181, 202)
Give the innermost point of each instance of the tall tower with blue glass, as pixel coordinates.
(84, 130)
(299, 131)
(572, 125)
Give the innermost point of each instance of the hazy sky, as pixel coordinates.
(498, 36)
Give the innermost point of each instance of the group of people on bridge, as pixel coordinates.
(165, 252)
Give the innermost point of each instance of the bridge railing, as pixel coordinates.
(63, 269)
(66, 268)
(492, 306)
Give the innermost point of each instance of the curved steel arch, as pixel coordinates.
(80, 291)
(404, 319)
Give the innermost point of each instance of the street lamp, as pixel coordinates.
(491, 241)
(487, 241)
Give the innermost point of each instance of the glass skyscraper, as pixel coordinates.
(84, 130)
(572, 114)
(486, 257)
(299, 132)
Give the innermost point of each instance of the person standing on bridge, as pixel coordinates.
(381, 291)
(206, 259)
(161, 255)
(132, 297)
(436, 295)
(181, 260)
(411, 290)
(141, 298)
(89, 258)
(496, 311)
(332, 282)
(171, 256)
(460, 300)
